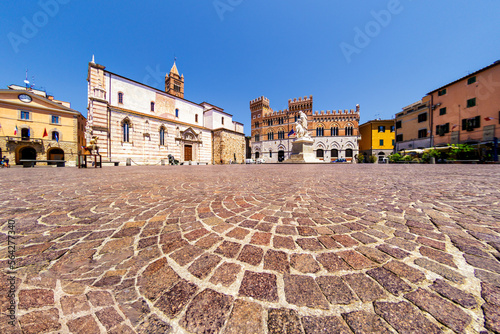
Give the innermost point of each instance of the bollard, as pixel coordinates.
(129, 162)
(433, 160)
(163, 162)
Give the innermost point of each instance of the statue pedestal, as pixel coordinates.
(302, 152)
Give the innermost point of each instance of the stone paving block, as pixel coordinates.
(402, 243)
(401, 269)
(405, 235)
(335, 290)
(303, 291)
(261, 238)
(306, 231)
(203, 266)
(492, 317)
(208, 241)
(228, 249)
(332, 262)
(251, 255)
(157, 277)
(356, 260)
(286, 229)
(439, 269)
(196, 234)
(261, 286)
(490, 293)
(225, 274)
(238, 233)
(207, 312)
(364, 238)
(304, 263)
(282, 321)
(444, 311)
(328, 242)
(319, 325)
(487, 276)
(40, 321)
(389, 281)
(432, 243)
(458, 296)
(74, 304)
(245, 318)
(186, 254)
(393, 251)
(438, 256)
(84, 325)
(100, 298)
(345, 240)
(172, 302)
(35, 298)
(109, 317)
(373, 254)
(136, 311)
(362, 322)
(277, 261)
(364, 287)
(405, 318)
(310, 244)
(483, 263)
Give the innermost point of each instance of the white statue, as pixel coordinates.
(301, 126)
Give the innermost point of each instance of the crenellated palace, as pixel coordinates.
(335, 133)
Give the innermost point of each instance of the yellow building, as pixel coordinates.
(35, 126)
(377, 138)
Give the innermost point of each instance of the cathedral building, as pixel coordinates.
(335, 133)
(138, 124)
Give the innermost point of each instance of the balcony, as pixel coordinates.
(24, 140)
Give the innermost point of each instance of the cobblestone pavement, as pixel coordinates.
(253, 249)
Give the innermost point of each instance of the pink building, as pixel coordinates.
(468, 109)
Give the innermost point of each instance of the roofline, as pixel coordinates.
(33, 95)
(155, 89)
(462, 78)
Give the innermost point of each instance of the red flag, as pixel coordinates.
(45, 134)
(488, 118)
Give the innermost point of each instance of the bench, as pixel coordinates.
(115, 163)
(31, 163)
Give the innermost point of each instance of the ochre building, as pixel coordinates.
(335, 133)
(139, 124)
(34, 126)
(377, 139)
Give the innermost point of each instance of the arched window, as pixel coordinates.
(120, 97)
(55, 136)
(176, 112)
(335, 153)
(270, 136)
(320, 153)
(196, 118)
(126, 131)
(152, 106)
(281, 134)
(348, 153)
(270, 153)
(257, 137)
(334, 130)
(348, 130)
(162, 136)
(25, 133)
(319, 132)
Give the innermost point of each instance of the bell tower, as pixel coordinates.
(174, 83)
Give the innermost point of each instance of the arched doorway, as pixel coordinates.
(320, 153)
(27, 153)
(348, 153)
(381, 157)
(257, 155)
(281, 155)
(55, 154)
(335, 153)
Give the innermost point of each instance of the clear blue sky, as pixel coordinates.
(232, 51)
